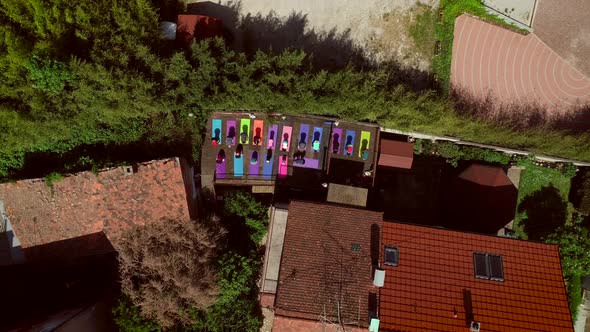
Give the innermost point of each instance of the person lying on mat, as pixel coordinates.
(239, 151)
(268, 155)
(243, 137)
(229, 141)
(349, 149)
(316, 145)
(256, 140)
(253, 160)
(285, 145)
(284, 160)
(302, 146)
(220, 157)
(335, 146)
(215, 141)
(365, 154)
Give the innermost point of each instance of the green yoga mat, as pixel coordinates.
(365, 135)
(245, 122)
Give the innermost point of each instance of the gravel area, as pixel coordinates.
(344, 29)
(565, 27)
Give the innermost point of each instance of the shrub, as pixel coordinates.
(251, 212)
(237, 308)
(581, 192)
(128, 318)
(169, 268)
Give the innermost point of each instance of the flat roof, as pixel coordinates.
(267, 161)
(396, 154)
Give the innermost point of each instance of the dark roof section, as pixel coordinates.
(436, 266)
(486, 175)
(396, 154)
(200, 27)
(85, 204)
(322, 263)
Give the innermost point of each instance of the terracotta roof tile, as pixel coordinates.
(435, 265)
(319, 268)
(84, 204)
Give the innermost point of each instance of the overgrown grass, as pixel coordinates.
(532, 180)
(444, 33)
(422, 30)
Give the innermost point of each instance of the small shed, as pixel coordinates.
(197, 27)
(396, 154)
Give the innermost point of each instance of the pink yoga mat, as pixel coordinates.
(286, 131)
(283, 167)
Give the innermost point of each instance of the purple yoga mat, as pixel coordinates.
(275, 129)
(220, 170)
(309, 163)
(253, 169)
(229, 125)
(339, 140)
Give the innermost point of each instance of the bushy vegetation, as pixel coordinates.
(453, 153)
(169, 268)
(581, 191)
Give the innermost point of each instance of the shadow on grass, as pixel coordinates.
(330, 50)
(521, 116)
(545, 212)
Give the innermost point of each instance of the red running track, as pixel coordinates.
(489, 60)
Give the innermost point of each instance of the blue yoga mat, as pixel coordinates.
(349, 139)
(267, 168)
(216, 129)
(239, 165)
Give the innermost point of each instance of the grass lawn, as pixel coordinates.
(444, 33)
(535, 179)
(422, 30)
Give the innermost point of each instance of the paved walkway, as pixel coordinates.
(274, 250)
(513, 68)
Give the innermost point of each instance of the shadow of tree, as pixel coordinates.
(545, 211)
(520, 116)
(326, 50)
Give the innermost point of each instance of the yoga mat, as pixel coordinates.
(352, 134)
(339, 140)
(286, 130)
(244, 122)
(220, 170)
(283, 168)
(239, 165)
(216, 125)
(273, 132)
(231, 124)
(258, 124)
(267, 168)
(364, 135)
(309, 163)
(317, 131)
(253, 169)
(303, 130)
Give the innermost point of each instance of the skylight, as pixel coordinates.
(488, 266)
(391, 255)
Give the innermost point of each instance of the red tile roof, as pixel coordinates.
(486, 175)
(436, 265)
(320, 268)
(396, 154)
(83, 204)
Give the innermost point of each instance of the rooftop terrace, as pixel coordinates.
(258, 149)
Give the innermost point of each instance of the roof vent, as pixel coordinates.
(379, 279)
(474, 327)
(128, 170)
